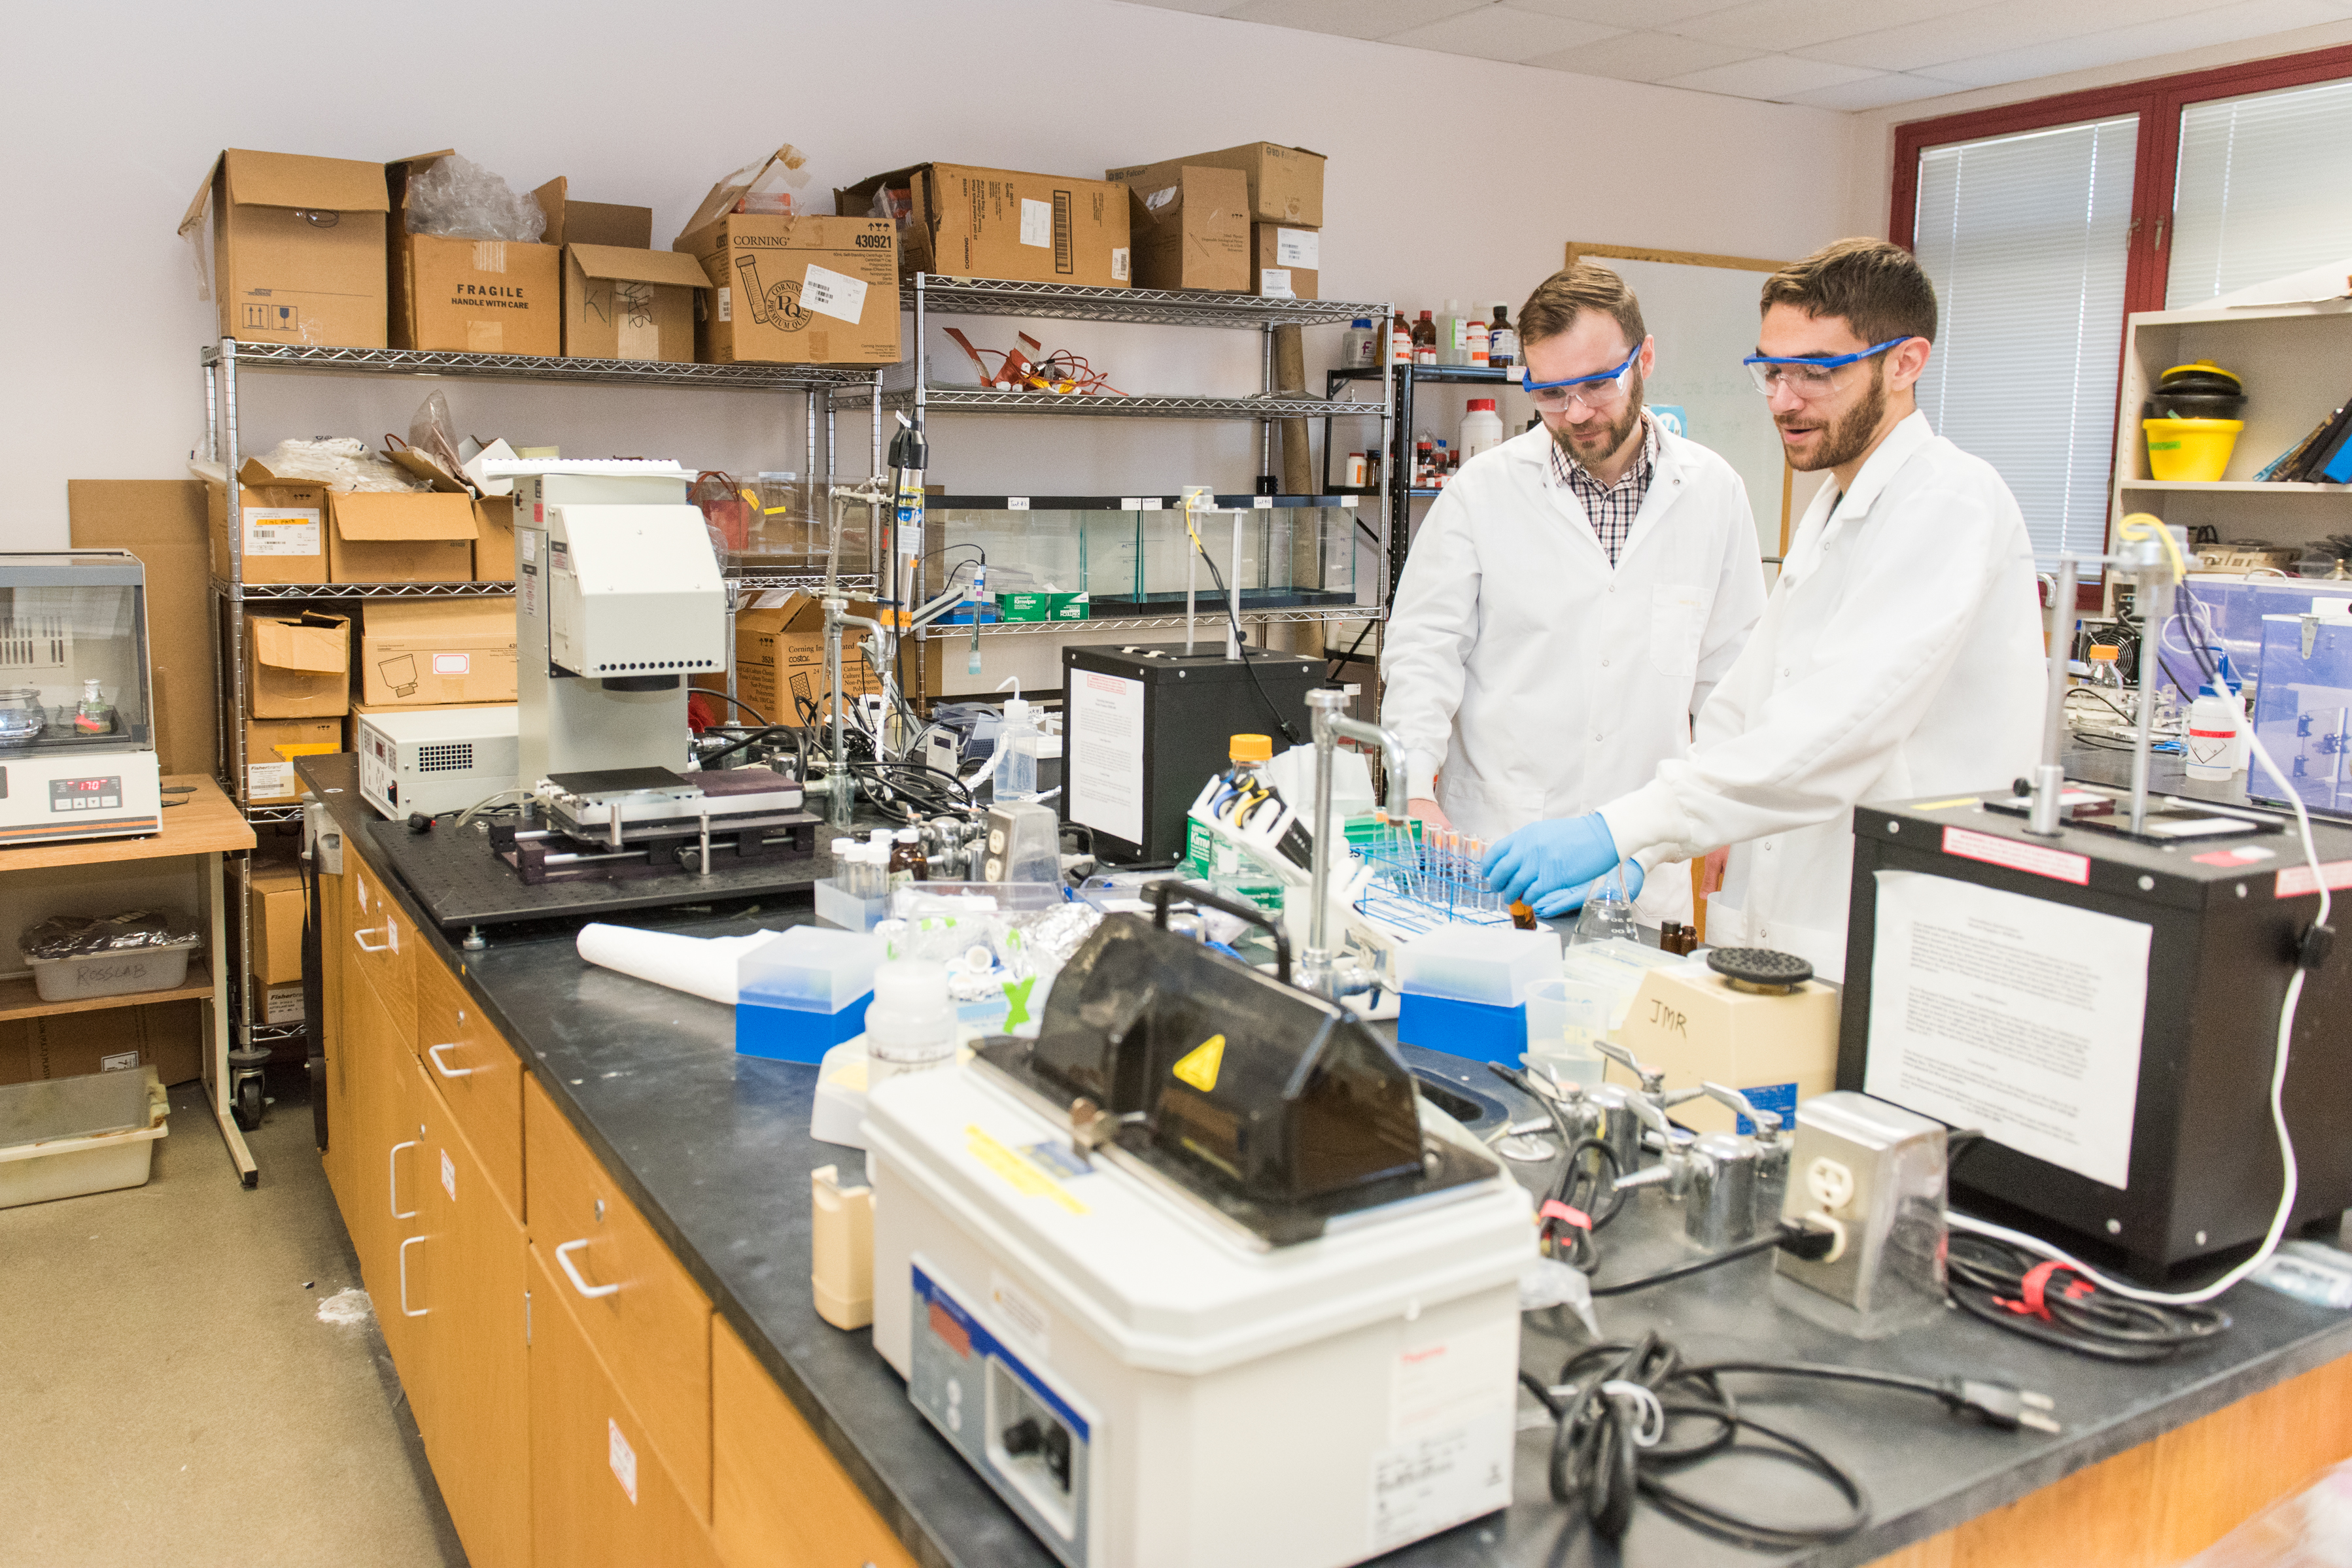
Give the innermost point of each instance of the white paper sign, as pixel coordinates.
(268, 780)
(1036, 222)
(1426, 1483)
(1119, 262)
(281, 530)
(1301, 248)
(837, 294)
(2013, 1014)
(726, 303)
(1105, 717)
(453, 664)
(448, 1176)
(1273, 283)
(622, 1458)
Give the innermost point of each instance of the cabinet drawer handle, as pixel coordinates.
(433, 1054)
(563, 1256)
(362, 938)
(392, 1162)
(405, 1309)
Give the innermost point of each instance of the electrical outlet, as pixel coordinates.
(1830, 1183)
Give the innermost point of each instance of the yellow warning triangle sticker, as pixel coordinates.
(1199, 1065)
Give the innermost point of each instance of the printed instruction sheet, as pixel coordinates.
(1103, 716)
(2014, 1015)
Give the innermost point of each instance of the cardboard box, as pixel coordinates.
(1191, 227)
(278, 904)
(162, 521)
(280, 1004)
(296, 247)
(571, 222)
(298, 666)
(284, 526)
(166, 1036)
(1285, 184)
(780, 657)
(796, 290)
(621, 304)
(494, 545)
(1285, 263)
(998, 223)
(476, 296)
(271, 744)
(436, 652)
(376, 536)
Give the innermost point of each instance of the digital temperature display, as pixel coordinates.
(85, 794)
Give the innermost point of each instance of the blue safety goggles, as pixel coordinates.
(1805, 377)
(1592, 392)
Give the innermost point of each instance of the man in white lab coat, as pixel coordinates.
(1900, 655)
(1575, 593)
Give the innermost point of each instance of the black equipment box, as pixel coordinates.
(1144, 726)
(1988, 981)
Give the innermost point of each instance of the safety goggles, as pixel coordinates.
(1598, 392)
(1809, 379)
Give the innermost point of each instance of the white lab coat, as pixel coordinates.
(1542, 682)
(1900, 656)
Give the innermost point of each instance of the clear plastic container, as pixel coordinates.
(810, 969)
(160, 968)
(62, 1138)
(1488, 964)
(1565, 1018)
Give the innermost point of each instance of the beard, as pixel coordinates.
(1851, 436)
(1612, 438)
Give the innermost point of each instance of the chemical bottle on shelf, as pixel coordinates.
(1400, 341)
(1444, 465)
(1357, 349)
(1479, 343)
(1502, 339)
(1424, 462)
(2210, 747)
(1017, 745)
(1453, 335)
(1424, 341)
(1482, 428)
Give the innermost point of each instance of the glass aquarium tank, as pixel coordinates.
(1134, 555)
(77, 739)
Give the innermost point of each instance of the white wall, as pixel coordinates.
(1448, 177)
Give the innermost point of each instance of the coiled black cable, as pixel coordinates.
(1988, 1280)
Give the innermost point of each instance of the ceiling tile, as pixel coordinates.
(1501, 32)
(1350, 18)
(1876, 92)
(1780, 25)
(1201, 7)
(1774, 77)
(1643, 56)
(2139, 40)
(1626, 13)
(2016, 23)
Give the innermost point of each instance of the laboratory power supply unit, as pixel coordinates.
(434, 759)
(2104, 1010)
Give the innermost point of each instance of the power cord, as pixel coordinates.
(1616, 1409)
(2045, 1299)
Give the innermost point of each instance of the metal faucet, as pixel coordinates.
(1320, 970)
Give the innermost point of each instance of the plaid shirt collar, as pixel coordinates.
(1611, 508)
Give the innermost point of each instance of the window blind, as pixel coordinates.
(2263, 189)
(2025, 237)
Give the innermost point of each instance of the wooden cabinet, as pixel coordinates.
(633, 1298)
(340, 1158)
(599, 1492)
(778, 1500)
(381, 945)
(392, 1159)
(469, 1358)
(476, 1075)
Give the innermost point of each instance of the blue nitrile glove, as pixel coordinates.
(1568, 900)
(1550, 857)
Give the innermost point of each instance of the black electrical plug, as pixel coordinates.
(1998, 1405)
(1810, 1242)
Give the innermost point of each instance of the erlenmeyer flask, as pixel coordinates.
(1608, 912)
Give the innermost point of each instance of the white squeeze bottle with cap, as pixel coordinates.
(1017, 747)
(1482, 428)
(1478, 342)
(910, 1024)
(1358, 350)
(2209, 748)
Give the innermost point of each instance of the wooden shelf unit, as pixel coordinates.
(20, 999)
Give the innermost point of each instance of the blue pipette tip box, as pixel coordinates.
(1482, 1031)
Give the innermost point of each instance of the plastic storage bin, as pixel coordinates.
(805, 993)
(61, 1138)
(1491, 964)
(116, 974)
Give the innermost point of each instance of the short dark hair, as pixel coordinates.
(1877, 288)
(1566, 294)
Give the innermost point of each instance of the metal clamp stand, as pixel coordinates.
(1318, 967)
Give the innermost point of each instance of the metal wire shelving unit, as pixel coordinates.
(222, 363)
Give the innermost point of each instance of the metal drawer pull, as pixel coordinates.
(360, 936)
(405, 1311)
(392, 1162)
(563, 1256)
(433, 1054)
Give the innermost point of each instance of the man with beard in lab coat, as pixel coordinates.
(1574, 594)
(1900, 655)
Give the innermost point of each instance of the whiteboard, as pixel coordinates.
(1703, 312)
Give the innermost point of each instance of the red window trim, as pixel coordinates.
(2157, 101)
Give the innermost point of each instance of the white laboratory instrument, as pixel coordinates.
(77, 714)
(434, 759)
(1206, 1290)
